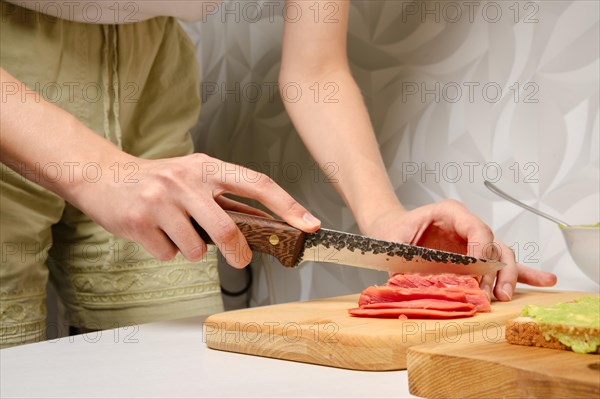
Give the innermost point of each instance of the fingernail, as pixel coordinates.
(488, 292)
(508, 290)
(310, 219)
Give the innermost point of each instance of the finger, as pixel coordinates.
(534, 277)
(486, 284)
(411, 230)
(158, 244)
(223, 231)
(469, 227)
(506, 278)
(236, 206)
(179, 229)
(264, 189)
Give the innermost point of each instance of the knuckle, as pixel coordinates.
(487, 230)
(226, 230)
(151, 196)
(265, 183)
(199, 157)
(171, 174)
(294, 208)
(205, 163)
(181, 228)
(509, 251)
(250, 175)
(166, 254)
(136, 221)
(196, 252)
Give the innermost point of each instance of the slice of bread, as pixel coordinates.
(527, 331)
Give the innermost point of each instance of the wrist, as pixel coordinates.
(94, 170)
(370, 217)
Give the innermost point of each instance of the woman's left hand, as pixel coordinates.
(449, 226)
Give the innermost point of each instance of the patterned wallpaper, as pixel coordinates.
(458, 91)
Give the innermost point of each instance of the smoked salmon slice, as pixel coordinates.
(411, 313)
(423, 296)
(435, 304)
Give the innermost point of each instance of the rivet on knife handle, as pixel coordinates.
(266, 235)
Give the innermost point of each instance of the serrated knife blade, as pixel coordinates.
(293, 247)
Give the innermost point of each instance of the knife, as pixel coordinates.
(292, 247)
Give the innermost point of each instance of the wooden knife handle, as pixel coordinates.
(269, 236)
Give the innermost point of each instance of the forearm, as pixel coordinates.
(156, 210)
(339, 130)
(49, 146)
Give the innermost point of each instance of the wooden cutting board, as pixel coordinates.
(322, 332)
(499, 369)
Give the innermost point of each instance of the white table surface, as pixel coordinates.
(170, 359)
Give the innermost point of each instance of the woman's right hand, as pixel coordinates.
(154, 202)
(148, 201)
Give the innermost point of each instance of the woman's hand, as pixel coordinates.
(449, 226)
(149, 201)
(153, 206)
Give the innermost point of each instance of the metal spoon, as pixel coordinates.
(507, 197)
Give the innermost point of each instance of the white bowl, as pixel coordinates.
(584, 246)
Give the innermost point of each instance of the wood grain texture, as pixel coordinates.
(498, 369)
(265, 235)
(322, 332)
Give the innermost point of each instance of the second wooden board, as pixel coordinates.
(499, 369)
